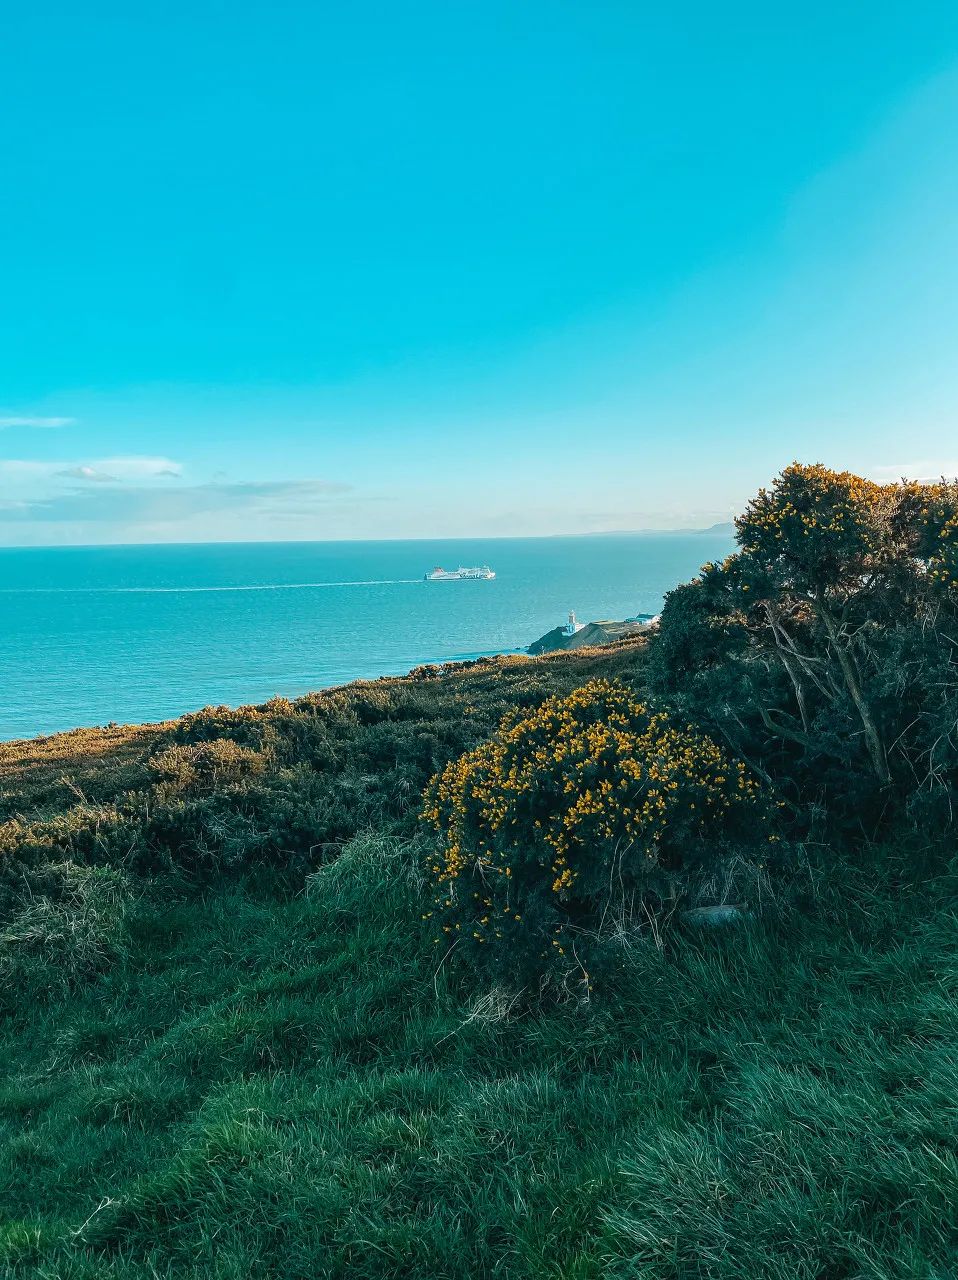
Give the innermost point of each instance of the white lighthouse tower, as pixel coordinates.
(571, 627)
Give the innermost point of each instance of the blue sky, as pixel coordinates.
(433, 269)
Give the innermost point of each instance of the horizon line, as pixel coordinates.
(687, 531)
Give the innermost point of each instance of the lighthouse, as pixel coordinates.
(571, 627)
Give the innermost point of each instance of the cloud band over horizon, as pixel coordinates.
(113, 504)
(14, 421)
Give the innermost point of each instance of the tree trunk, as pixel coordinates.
(873, 740)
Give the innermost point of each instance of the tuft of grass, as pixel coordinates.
(73, 929)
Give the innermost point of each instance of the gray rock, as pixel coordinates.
(711, 917)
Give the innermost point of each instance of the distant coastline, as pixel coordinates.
(725, 529)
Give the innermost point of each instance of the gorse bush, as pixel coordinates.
(577, 818)
(204, 766)
(824, 650)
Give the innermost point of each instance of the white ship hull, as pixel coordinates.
(483, 574)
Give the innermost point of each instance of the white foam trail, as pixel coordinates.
(261, 586)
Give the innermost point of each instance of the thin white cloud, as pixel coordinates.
(135, 468)
(87, 473)
(133, 505)
(115, 470)
(925, 470)
(36, 422)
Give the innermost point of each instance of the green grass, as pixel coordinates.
(277, 1086)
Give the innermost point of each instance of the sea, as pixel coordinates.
(93, 635)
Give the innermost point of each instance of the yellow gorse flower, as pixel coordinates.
(563, 789)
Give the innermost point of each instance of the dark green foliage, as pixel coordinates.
(826, 650)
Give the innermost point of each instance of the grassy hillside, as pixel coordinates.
(231, 1048)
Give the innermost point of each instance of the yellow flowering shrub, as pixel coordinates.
(814, 527)
(587, 810)
(933, 512)
(824, 649)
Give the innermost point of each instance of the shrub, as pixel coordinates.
(824, 649)
(204, 766)
(577, 818)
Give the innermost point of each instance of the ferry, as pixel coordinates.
(439, 574)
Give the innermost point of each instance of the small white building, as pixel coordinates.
(571, 627)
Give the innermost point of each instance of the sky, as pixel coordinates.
(315, 270)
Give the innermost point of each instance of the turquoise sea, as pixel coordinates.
(90, 635)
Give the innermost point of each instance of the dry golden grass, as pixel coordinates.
(46, 774)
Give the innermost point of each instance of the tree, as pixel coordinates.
(830, 635)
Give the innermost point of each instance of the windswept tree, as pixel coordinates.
(826, 646)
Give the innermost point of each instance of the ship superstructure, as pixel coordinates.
(458, 575)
